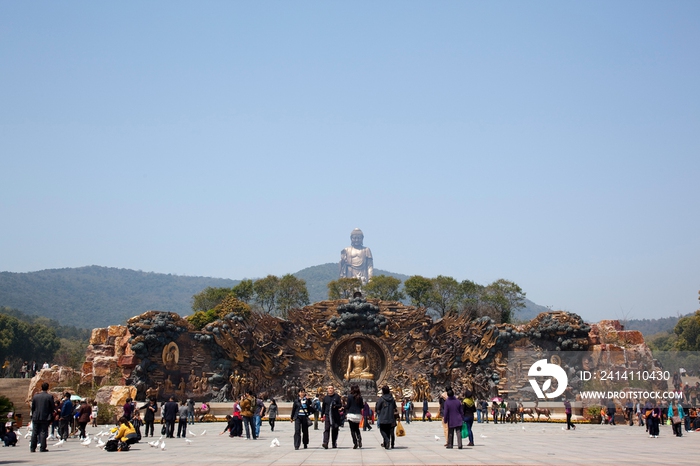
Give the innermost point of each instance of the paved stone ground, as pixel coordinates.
(495, 444)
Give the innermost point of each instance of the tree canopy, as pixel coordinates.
(446, 295)
(688, 332)
(505, 296)
(291, 294)
(244, 291)
(343, 288)
(271, 294)
(209, 298)
(266, 292)
(31, 342)
(442, 295)
(385, 288)
(419, 289)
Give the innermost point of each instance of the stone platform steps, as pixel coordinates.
(16, 390)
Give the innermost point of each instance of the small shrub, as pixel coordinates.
(106, 413)
(6, 406)
(593, 411)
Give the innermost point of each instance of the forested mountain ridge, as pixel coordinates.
(95, 296)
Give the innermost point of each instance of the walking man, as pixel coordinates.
(170, 412)
(331, 416)
(42, 415)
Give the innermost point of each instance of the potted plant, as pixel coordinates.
(593, 413)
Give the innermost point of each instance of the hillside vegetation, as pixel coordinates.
(38, 339)
(93, 296)
(652, 326)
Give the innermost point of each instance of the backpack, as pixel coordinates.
(111, 445)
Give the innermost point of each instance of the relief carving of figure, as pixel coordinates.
(171, 355)
(168, 385)
(358, 365)
(182, 387)
(235, 380)
(356, 260)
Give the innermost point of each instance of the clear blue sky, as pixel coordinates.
(554, 144)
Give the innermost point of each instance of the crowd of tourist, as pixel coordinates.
(22, 369)
(680, 415)
(69, 417)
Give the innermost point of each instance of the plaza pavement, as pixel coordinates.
(537, 443)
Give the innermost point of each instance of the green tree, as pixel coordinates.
(471, 296)
(419, 289)
(662, 341)
(71, 353)
(26, 341)
(201, 318)
(506, 297)
(209, 298)
(343, 288)
(688, 331)
(266, 292)
(232, 305)
(6, 406)
(244, 291)
(291, 294)
(385, 288)
(446, 295)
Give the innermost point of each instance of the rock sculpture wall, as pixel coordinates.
(160, 353)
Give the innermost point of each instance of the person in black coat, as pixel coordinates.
(149, 415)
(385, 408)
(331, 413)
(170, 412)
(302, 408)
(42, 414)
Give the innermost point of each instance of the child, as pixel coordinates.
(272, 414)
(10, 437)
(93, 416)
(137, 423)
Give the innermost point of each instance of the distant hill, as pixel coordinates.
(94, 296)
(529, 312)
(652, 326)
(318, 276)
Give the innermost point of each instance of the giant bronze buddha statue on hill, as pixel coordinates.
(356, 260)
